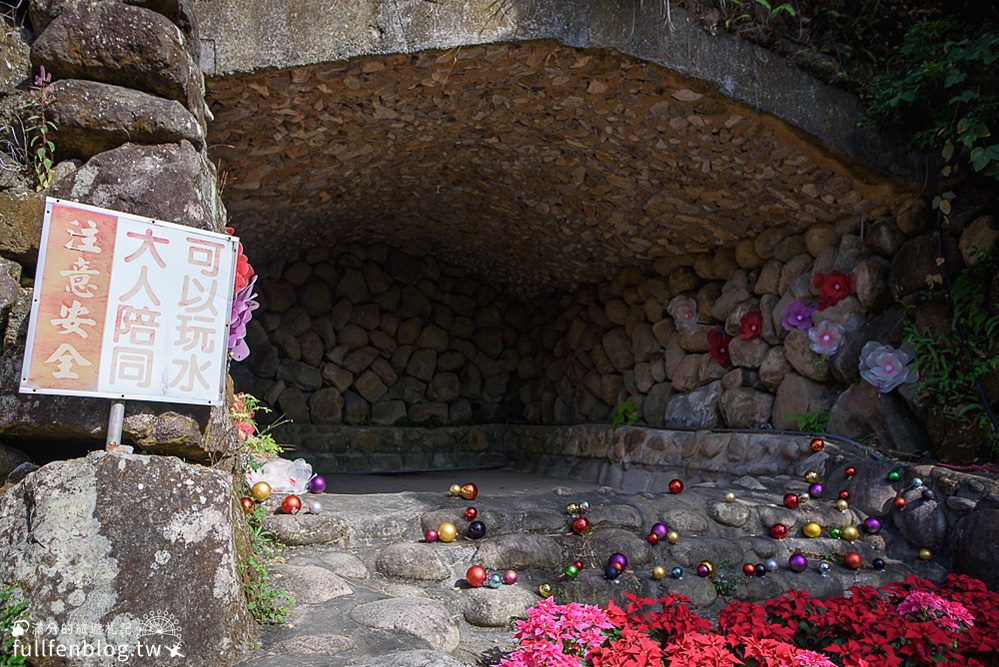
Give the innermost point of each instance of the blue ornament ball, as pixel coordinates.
(771, 565)
(495, 581)
(761, 570)
(676, 573)
(611, 572)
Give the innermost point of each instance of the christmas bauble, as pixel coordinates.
(850, 471)
(791, 501)
(705, 569)
(730, 497)
(315, 507)
(510, 577)
(872, 525)
(570, 572)
(495, 581)
(778, 531)
(618, 557)
(578, 564)
(660, 529)
(898, 503)
(430, 535)
(850, 533)
(676, 573)
(797, 563)
(812, 476)
(835, 533)
(925, 554)
(652, 539)
(455, 490)
(878, 564)
(894, 476)
(852, 560)
(545, 590)
(844, 495)
(572, 509)
(916, 482)
(476, 530)
(817, 444)
(675, 486)
(261, 491)
(447, 532)
(611, 572)
(761, 570)
(823, 568)
(317, 484)
(672, 537)
(291, 504)
(247, 504)
(658, 572)
(469, 491)
(771, 565)
(928, 494)
(749, 570)
(811, 529)
(475, 576)
(580, 525)
(841, 505)
(616, 565)
(584, 506)
(815, 490)
(471, 513)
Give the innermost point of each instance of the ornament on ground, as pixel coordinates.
(291, 505)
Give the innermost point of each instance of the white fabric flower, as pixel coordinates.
(826, 338)
(284, 476)
(683, 309)
(885, 367)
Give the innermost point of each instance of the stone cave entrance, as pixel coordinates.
(493, 234)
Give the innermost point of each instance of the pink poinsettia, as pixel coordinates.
(826, 338)
(949, 614)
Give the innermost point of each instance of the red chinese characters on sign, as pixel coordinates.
(72, 299)
(198, 310)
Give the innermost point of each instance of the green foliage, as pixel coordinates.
(252, 439)
(264, 598)
(12, 608)
(745, 10)
(948, 381)
(941, 93)
(40, 146)
(810, 422)
(626, 413)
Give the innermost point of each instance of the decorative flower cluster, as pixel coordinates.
(885, 367)
(913, 622)
(683, 310)
(243, 304)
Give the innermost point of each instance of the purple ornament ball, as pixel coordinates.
(317, 484)
(815, 490)
(797, 563)
(872, 525)
(618, 557)
(703, 570)
(660, 530)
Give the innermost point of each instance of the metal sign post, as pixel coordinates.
(116, 419)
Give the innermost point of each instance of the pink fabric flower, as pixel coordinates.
(826, 338)
(885, 367)
(798, 316)
(683, 309)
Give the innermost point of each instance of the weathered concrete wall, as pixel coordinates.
(248, 35)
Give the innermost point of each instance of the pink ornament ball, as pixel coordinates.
(510, 577)
(430, 535)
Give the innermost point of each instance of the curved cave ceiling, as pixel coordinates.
(535, 166)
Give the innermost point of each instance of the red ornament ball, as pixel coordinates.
(469, 491)
(899, 502)
(817, 444)
(844, 495)
(749, 570)
(430, 535)
(852, 560)
(580, 525)
(652, 539)
(291, 504)
(616, 565)
(578, 564)
(471, 513)
(475, 576)
(247, 504)
(850, 472)
(675, 486)
(778, 531)
(791, 501)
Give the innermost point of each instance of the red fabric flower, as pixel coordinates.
(751, 326)
(243, 269)
(719, 346)
(833, 287)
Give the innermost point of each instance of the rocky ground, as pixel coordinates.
(371, 592)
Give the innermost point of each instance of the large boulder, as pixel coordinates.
(20, 225)
(123, 545)
(974, 540)
(124, 46)
(96, 117)
(861, 412)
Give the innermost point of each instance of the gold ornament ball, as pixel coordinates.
(447, 532)
(811, 477)
(730, 497)
(850, 533)
(455, 490)
(545, 590)
(572, 509)
(841, 505)
(811, 529)
(925, 554)
(658, 572)
(672, 537)
(261, 491)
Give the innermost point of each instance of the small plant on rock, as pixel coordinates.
(264, 598)
(810, 422)
(40, 146)
(252, 439)
(13, 608)
(626, 413)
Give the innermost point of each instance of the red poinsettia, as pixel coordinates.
(833, 287)
(719, 346)
(243, 269)
(751, 326)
